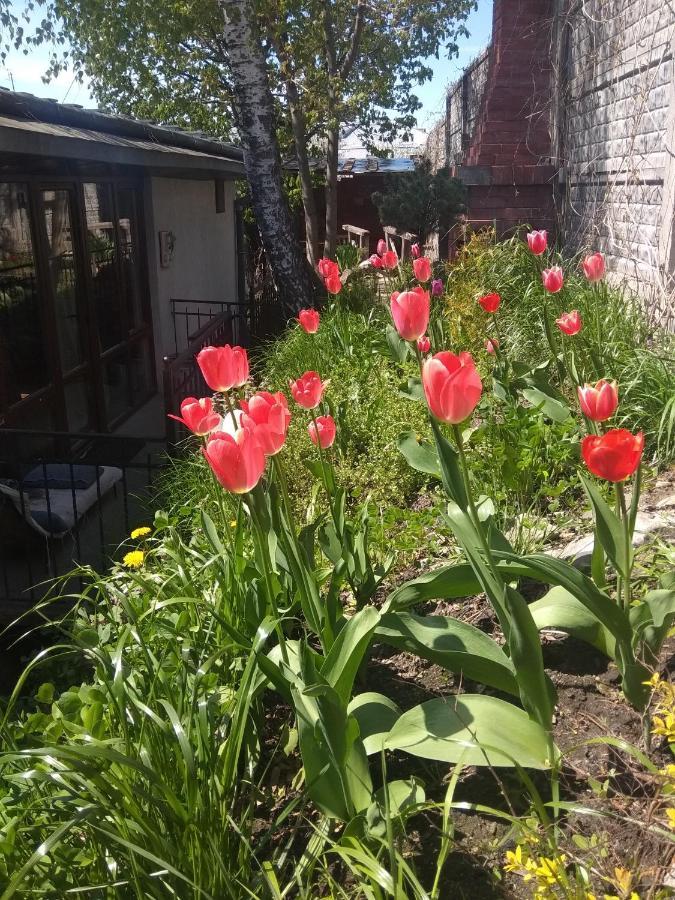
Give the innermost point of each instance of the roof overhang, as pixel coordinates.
(35, 138)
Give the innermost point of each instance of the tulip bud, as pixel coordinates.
(309, 320)
(614, 455)
(553, 279)
(375, 261)
(570, 323)
(390, 259)
(223, 368)
(327, 267)
(594, 267)
(599, 402)
(422, 268)
(381, 246)
(424, 344)
(410, 312)
(436, 287)
(323, 433)
(452, 386)
(491, 345)
(333, 284)
(490, 302)
(537, 242)
(415, 251)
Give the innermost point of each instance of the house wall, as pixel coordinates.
(204, 264)
(615, 123)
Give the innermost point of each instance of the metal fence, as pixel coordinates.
(65, 500)
(189, 317)
(463, 103)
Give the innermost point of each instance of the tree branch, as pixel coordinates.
(355, 40)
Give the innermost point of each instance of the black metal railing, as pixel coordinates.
(66, 500)
(190, 316)
(463, 104)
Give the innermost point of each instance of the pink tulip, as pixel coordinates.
(237, 461)
(422, 268)
(553, 279)
(594, 267)
(223, 368)
(309, 320)
(537, 242)
(436, 287)
(198, 415)
(491, 345)
(381, 246)
(375, 261)
(323, 433)
(599, 402)
(410, 312)
(268, 415)
(333, 284)
(490, 302)
(308, 390)
(327, 267)
(415, 251)
(570, 323)
(452, 386)
(424, 344)
(390, 259)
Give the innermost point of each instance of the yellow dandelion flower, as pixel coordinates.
(233, 523)
(670, 813)
(134, 559)
(140, 532)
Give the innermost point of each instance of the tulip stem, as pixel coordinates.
(230, 408)
(628, 544)
(267, 575)
(283, 486)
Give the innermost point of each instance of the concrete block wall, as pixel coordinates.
(616, 96)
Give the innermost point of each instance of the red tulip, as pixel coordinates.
(381, 246)
(422, 268)
(452, 386)
(600, 402)
(415, 251)
(323, 433)
(537, 242)
(491, 345)
(309, 320)
(553, 279)
(333, 284)
(375, 261)
(410, 312)
(308, 390)
(268, 415)
(594, 267)
(613, 456)
(390, 259)
(327, 267)
(490, 302)
(237, 461)
(570, 323)
(424, 344)
(223, 368)
(198, 415)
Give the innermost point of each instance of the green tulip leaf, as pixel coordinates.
(420, 455)
(398, 348)
(346, 654)
(376, 715)
(444, 583)
(549, 406)
(608, 527)
(561, 610)
(451, 473)
(412, 389)
(476, 729)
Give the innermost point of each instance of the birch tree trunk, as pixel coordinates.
(254, 109)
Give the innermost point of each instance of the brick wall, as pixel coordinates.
(615, 106)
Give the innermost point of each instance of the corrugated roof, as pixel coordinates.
(26, 114)
(374, 165)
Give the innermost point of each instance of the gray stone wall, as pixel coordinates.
(615, 104)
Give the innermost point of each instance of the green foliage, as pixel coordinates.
(421, 201)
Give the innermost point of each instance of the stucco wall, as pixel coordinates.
(204, 265)
(616, 96)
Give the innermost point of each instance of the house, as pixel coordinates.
(105, 222)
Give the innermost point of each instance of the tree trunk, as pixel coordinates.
(254, 110)
(333, 135)
(298, 124)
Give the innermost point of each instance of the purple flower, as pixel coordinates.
(436, 287)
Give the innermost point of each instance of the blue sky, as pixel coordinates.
(23, 72)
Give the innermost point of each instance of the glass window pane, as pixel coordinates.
(116, 387)
(128, 229)
(141, 370)
(102, 256)
(24, 367)
(63, 276)
(78, 404)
